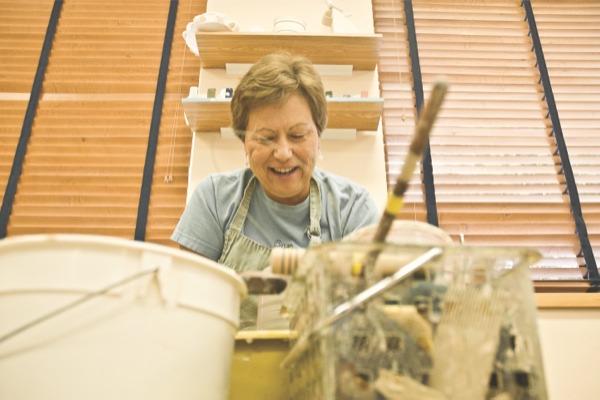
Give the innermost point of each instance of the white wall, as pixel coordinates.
(570, 341)
(261, 13)
(211, 154)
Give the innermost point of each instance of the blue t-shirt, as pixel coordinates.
(346, 206)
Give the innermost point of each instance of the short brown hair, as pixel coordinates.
(271, 81)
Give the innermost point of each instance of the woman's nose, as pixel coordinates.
(283, 151)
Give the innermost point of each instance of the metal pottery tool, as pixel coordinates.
(357, 301)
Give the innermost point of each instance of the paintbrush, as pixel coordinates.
(419, 141)
(394, 205)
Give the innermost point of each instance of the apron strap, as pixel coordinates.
(240, 215)
(313, 231)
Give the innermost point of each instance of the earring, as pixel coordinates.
(320, 154)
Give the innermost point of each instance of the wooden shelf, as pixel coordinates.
(219, 48)
(583, 300)
(210, 115)
(362, 114)
(207, 115)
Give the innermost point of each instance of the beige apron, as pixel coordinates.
(241, 253)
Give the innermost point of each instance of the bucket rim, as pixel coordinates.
(12, 242)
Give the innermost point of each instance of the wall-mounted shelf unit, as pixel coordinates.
(210, 115)
(220, 48)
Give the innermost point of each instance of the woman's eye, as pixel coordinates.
(265, 139)
(297, 136)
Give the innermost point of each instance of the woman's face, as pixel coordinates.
(282, 145)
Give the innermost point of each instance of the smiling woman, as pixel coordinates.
(282, 148)
(282, 199)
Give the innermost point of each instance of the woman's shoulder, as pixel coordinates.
(345, 201)
(336, 182)
(226, 182)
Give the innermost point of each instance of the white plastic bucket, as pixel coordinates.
(167, 335)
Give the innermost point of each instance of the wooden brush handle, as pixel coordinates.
(415, 152)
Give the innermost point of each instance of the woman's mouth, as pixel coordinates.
(283, 171)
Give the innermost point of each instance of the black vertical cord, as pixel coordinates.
(143, 205)
(36, 89)
(430, 200)
(586, 248)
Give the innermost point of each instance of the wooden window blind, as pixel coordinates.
(22, 31)
(396, 85)
(170, 181)
(570, 36)
(85, 157)
(497, 177)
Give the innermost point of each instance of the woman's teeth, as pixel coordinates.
(283, 171)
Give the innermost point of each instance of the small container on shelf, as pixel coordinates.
(288, 24)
